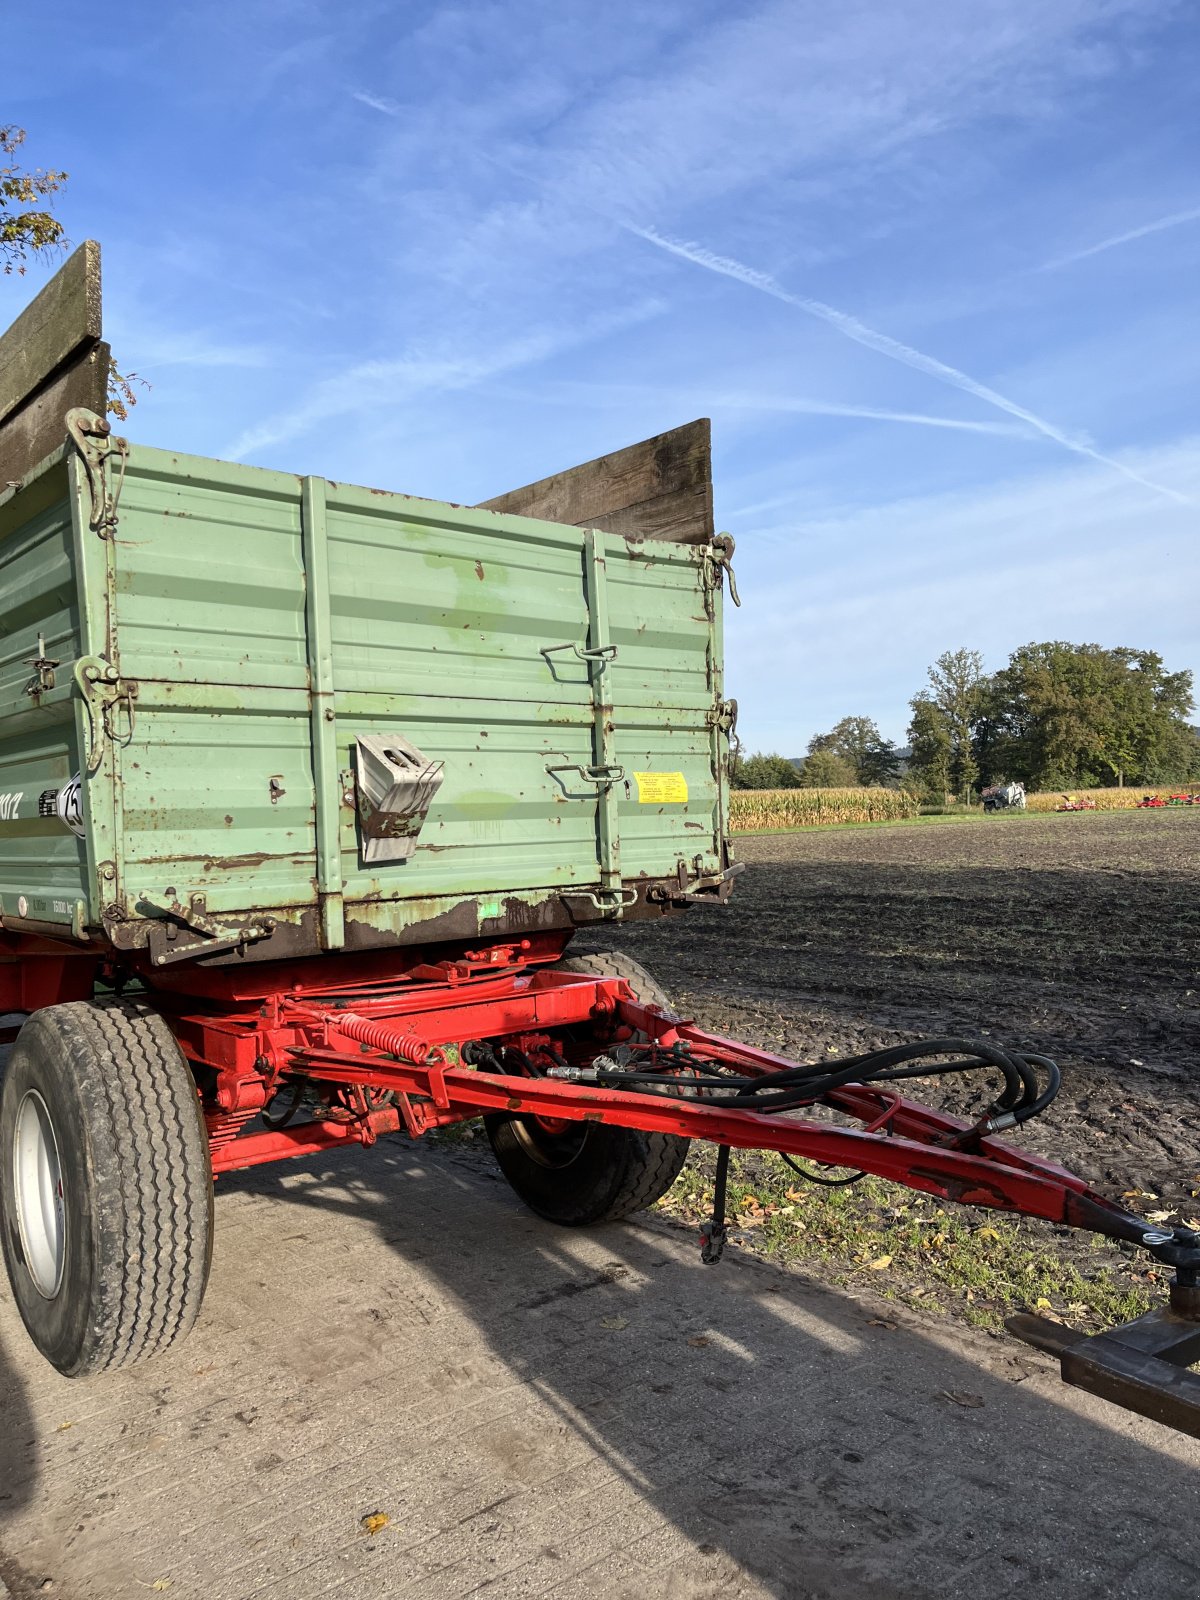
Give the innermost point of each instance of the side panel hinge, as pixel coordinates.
(110, 701)
(718, 560)
(98, 448)
(723, 715)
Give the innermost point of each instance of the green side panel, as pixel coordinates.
(440, 616)
(254, 625)
(42, 863)
(662, 690)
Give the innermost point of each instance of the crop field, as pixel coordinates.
(1077, 936)
(753, 809)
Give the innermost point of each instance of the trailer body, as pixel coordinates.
(217, 653)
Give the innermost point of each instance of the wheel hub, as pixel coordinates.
(38, 1193)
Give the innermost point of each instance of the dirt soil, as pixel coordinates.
(1076, 936)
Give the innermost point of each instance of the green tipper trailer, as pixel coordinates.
(304, 790)
(260, 716)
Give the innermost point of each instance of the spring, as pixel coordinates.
(409, 1046)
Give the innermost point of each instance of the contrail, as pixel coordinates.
(1175, 220)
(852, 328)
(831, 408)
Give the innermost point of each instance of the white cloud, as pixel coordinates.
(377, 102)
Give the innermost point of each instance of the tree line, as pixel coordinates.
(1057, 716)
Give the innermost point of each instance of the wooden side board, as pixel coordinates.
(51, 359)
(661, 488)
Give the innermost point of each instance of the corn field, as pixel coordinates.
(815, 808)
(1108, 799)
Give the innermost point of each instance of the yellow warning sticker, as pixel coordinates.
(661, 788)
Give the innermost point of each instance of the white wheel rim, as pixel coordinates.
(38, 1190)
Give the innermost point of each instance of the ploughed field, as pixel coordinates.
(1077, 936)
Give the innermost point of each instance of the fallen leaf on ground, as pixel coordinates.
(615, 1323)
(374, 1522)
(961, 1398)
(699, 1342)
(1157, 1216)
(879, 1263)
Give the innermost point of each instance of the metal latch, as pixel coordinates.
(108, 698)
(43, 670)
(706, 890)
(97, 444)
(163, 936)
(719, 556)
(600, 654)
(722, 715)
(396, 787)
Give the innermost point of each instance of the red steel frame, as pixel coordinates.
(387, 1054)
(372, 1044)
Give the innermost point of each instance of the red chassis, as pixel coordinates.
(358, 1049)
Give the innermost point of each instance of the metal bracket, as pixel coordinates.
(601, 654)
(600, 777)
(715, 889)
(604, 899)
(1142, 1365)
(719, 559)
(162, 940)
(97, 444)
(722, 715)
(43, 670)
(104, 691)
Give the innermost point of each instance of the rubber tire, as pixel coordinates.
(617, 1171)
(138, 1194)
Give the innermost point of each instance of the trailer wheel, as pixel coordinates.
(577, 1173)
(105, 1185)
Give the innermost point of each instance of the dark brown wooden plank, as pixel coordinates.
(661, 488)
(62, 322)
(29, 434)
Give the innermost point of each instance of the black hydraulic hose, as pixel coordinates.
(815, 1177)
(791, 1088)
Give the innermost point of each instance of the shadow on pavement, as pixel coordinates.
(769, 1420)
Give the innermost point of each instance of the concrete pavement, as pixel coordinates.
(540, 1412)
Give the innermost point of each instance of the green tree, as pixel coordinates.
(957, 687)
(932, 749)
(826, 769)
(768, 771)
(1081, 715)
(858, 742)
(27, 227)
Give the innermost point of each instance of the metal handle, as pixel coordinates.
(602, 654)
(601, 777)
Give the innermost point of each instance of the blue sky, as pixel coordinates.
(930, 267)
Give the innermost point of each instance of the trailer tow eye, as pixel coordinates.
(714, 1233)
